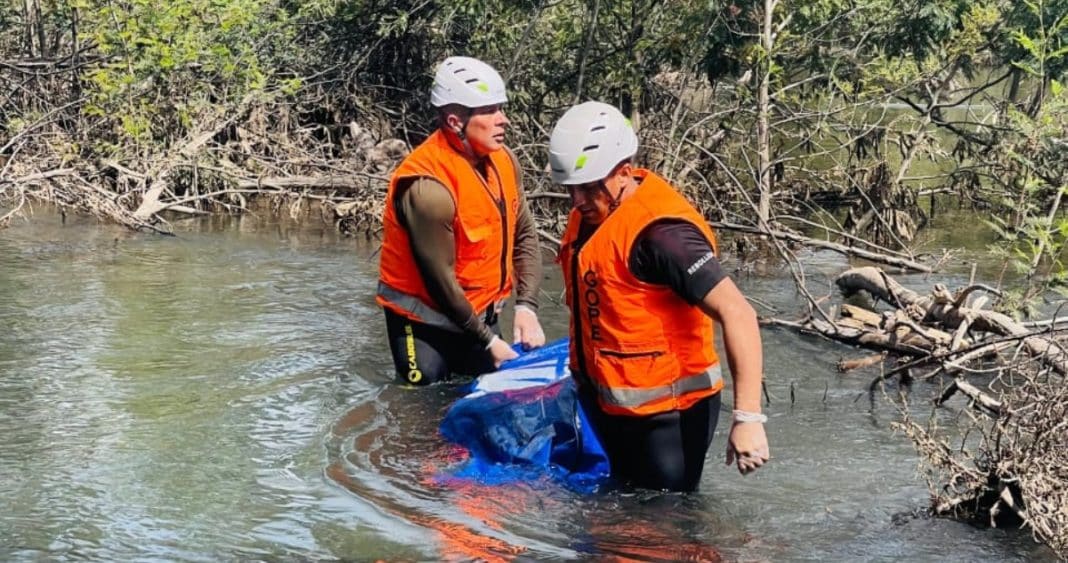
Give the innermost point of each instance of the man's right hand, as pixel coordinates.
(501, 351)
(748, 445)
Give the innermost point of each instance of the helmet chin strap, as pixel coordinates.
(613, 202)
(461, 133)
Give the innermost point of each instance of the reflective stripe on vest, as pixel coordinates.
(427, 315)
(634, 397)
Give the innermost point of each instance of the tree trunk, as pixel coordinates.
(29, 30)
(1014, 87)
(75, 84)
(42, 43)
(585, 50)
(767, 40)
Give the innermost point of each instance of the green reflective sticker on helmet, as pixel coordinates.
(483, 86)
(580, 162)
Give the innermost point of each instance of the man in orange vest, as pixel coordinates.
(456, 231)
(644, 287)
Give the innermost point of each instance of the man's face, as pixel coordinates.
(485, 129)
(591, 200)
(594, 199)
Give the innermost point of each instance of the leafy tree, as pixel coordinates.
(168, 66)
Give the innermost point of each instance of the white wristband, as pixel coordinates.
(746, 416)
(520, 307)
(492, 340)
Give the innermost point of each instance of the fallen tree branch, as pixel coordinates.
(39, 176)
(850, 335)
(991, 405)
(904, 263)
(151, 203)
(307, 182)
(549, 237)
(943, 310)
(857, 363)
(548, 195)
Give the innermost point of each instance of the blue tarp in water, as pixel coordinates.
(525, 421)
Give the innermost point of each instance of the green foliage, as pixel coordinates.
(976, 27)
(848, 79)
(1036, 33)
(1032, 226)
(170, 63)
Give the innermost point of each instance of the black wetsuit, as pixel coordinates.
(665, 450)
(424, 354)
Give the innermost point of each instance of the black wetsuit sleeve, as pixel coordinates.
(673, 252)
(426, 209)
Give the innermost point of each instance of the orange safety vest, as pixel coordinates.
(484, 227)
(644, 348)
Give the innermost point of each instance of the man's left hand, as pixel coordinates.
(526, 328)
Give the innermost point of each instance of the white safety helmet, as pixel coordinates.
(588, 142)
(468, 82)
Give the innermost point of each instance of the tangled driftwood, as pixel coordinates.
(939, 326)
(1008, 462)
(223, 164)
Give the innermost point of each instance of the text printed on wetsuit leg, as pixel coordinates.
(414, 375)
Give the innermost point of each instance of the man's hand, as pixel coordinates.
(749, 445)
(526, 328)
(501, 351)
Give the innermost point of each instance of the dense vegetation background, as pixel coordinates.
(763, 110)
(828, 119)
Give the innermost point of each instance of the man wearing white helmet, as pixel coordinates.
(644, 288)
(456, 233)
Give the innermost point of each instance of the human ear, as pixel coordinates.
(454, 122)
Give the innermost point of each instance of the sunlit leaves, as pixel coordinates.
(198, 54)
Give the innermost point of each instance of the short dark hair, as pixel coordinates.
(446, 110)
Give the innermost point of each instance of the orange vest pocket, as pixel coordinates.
(637, 365)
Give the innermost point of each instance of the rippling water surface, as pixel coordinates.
(227, 394)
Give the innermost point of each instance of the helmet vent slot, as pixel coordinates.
(467, 82)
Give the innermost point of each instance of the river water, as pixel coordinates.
(227, 394)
